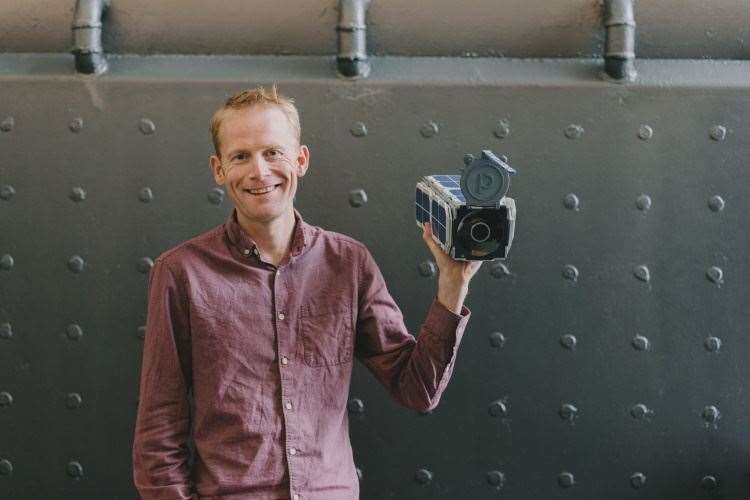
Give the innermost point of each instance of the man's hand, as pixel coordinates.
(455, 275)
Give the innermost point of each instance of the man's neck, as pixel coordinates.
(274, 238)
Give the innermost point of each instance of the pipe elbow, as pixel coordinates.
(351, 59)
(87, 36)
(619, 55)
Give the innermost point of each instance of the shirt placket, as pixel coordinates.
(286, 371)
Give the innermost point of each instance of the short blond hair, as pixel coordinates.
(253, 97)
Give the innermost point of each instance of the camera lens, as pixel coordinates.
(482, 232)
(479, 232)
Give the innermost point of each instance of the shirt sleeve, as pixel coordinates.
(160, 446)
(414, 371)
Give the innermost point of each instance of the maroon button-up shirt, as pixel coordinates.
(267, 353)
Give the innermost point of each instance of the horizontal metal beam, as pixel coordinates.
(433, 71)
(681, 29)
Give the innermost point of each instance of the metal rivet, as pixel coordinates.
(643, 202)
(496, 478)
(502, 129)
(6, 331)
(640, 343)
(359, 473)
(423, 476)
(715, 275)
(568, 412)
(145, 264)
(716, 203)
(568, 341)
(711, 414)
(570, 272)
(216, 196)
(74, 332)
(145, 195)
(6, 192)
(76, 263)
(712, 344)
(6, 262)
(7, 124)
(709, 482)
(356, 405)
(75, 469)
(6, 399)
(429, 129)
(573, 131)
(76, 125)
(146, 126)
(499, 270)
(359, 129)
(73, 400)
(6, 468)
(640, 411)
(571, 202)
(642, 273)
(645, 132)
(638, 480)
(566, 479)
(357, 197)
(427, 268)
(141, 332)
(718, 132)
(498, 409)
(77, 194)
(497, 340)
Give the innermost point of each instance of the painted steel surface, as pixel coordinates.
(608, 353)
(684, 29)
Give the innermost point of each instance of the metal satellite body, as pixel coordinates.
(471, 217)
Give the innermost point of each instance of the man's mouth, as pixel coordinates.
(262, 191)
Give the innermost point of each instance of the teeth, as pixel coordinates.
(263, 190)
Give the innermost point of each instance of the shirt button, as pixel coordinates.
(292, 451)
(255, 251)
(296, 496)
(281, 315)
(246, 251)
(288, 405)
(284, 360)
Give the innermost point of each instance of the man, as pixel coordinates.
(259, 318)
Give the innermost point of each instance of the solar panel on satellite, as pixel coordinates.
(422, 207)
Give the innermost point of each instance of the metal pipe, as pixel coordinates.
(87, 36)
(619, 55)
(351, 59)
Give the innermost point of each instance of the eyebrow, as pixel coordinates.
(245, 150)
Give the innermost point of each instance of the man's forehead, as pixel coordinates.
(257, 125)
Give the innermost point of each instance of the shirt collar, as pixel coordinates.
(245, 244)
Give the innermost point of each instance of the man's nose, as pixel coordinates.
(259, 167)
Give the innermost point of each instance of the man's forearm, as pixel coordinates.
(452, 293)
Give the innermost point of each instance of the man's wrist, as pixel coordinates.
(452, 294)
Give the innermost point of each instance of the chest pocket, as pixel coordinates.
(326, 335)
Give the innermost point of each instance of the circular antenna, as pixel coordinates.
(480, 231)
(486, 180)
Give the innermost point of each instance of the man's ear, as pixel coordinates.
(303, 160)
(214, 164)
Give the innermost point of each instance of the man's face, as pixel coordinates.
(259, 150)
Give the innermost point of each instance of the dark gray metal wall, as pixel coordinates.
(613, 343)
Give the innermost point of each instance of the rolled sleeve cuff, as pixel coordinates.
(444, 323)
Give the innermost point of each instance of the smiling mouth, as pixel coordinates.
(263, 192)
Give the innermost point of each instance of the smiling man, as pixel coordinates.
(252, 328)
